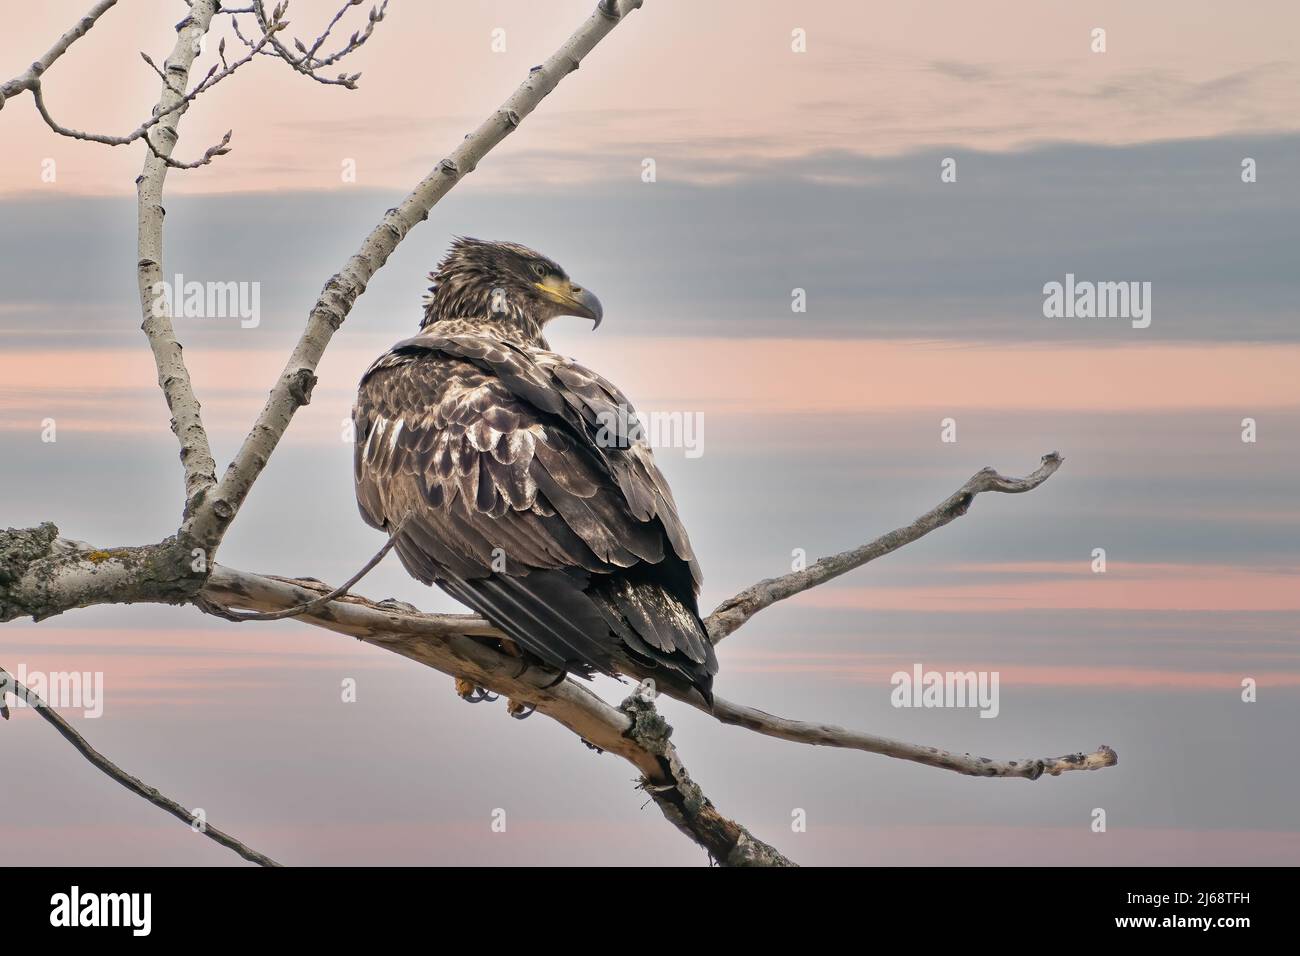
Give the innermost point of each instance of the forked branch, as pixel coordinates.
(42, 574)
(213, 516)
(381, 624)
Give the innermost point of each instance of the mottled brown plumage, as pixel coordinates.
(518, 498)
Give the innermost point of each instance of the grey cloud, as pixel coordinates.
(960, 70)
(882, 247)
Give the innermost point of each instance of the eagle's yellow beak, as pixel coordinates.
(572, 299)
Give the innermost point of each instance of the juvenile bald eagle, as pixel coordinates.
(513, 487)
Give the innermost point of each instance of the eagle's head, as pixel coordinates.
(506, 285)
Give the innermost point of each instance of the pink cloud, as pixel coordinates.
(715, 376)
(963, 75)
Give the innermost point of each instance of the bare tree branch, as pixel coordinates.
(307, 62)
(362, 618)
(324, 599)
(828, 735)
(160, 135)
(293, 389)
(209, 154)
(28, 79)
(179, 101)
(355, 42)
(220, 149)
(735, 611)
(173, 376)
(469, 648)
(683, 802)
(444, 642)
(42, 574)
(11, 684)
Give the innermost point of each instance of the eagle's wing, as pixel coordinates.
(517, 507)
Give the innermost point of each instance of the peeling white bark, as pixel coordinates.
(173, 376)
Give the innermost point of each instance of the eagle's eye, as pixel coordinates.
(540, 270)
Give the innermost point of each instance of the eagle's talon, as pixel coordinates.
(472, 693)
(519, 711)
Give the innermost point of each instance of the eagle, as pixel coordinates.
(520, 483)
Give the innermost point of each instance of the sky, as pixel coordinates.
(782, 178)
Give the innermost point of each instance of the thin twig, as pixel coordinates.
(11, 684)
(164, 112)
(26, 79)
(211, 153)
(736, 610)
(307, 63)
(828, 735)
(324, 599)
